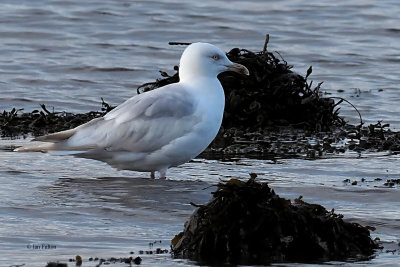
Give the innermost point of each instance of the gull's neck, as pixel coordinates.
(194, 76)
(200, 81)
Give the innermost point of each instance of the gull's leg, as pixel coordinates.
(163, 173)
(152, 176)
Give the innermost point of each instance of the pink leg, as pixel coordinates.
(163, 174)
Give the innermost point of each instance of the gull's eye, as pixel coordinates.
(215, 57)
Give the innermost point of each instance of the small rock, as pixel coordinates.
(137, 260)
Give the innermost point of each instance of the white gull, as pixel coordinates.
(159, 129)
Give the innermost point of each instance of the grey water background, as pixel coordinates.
(67, 54)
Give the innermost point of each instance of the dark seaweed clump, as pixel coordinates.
(274, 95)
(247, 223)
(39, 122)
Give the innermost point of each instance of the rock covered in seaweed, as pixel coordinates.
(247, 223)
(274, 95)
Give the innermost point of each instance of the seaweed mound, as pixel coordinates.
(247, 223)
(274, 95)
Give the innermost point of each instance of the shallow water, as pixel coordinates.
(68, 54)
(85, 207)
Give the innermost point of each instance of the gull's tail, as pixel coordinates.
(37, 148)
(58, 142)
(55, 141)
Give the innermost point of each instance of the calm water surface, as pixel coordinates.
(67, 54)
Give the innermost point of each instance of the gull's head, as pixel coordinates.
(206, 60)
